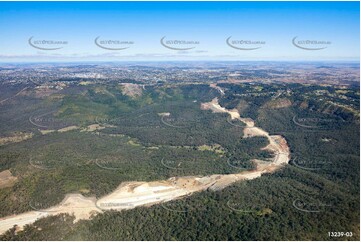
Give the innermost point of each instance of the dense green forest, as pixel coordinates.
(140, 144)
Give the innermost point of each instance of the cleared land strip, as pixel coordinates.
(132, 194)
(9, 98)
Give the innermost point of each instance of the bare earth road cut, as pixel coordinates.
(76, 204)
(132, 194)
(7, 179)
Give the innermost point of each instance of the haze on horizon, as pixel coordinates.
(210, 30)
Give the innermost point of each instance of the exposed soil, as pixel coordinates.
(132, 194)
(7, 179)
(132, 90)
(17, 137)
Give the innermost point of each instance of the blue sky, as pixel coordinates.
(208, 24)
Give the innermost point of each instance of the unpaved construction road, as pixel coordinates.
(132, 194)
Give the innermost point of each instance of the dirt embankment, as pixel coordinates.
(7, 179)
(132, 90)
(16, 137)
(132, 194)
(216, 108)
(76, 204)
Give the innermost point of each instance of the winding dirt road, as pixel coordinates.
(132, 194)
